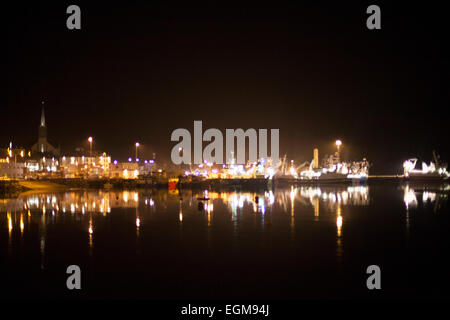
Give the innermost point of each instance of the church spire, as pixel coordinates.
(42, 116)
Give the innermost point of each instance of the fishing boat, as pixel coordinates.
(173, 183)
(333, 170)
(434, 172)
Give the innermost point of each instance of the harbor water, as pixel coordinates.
(303, 242)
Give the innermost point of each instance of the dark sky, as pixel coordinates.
(138, 70)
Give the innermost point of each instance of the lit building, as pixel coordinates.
(11, 170)
(124, 170)
(147, 167)
(12, 163)
(31, 168)
(85, 167)
(42, 168)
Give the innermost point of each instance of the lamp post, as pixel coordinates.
(90, 155)
(137, 146)
(338, 145)
(90, 146)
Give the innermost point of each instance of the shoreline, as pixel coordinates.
(14, 188)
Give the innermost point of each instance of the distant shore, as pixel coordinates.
(10, 188)
(14, 188)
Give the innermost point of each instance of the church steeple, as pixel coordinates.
(42, 116)
(42, 146)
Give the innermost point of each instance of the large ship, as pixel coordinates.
(266, 173)
(333, 170)
(435, 171)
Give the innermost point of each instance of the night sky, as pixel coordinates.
(138, 70)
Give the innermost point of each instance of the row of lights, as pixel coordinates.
(137, 145)
(137, 160)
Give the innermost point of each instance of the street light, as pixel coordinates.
(90, 146)
(137, 146)
(338, 145)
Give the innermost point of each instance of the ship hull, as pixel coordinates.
(426, 177)
(331, 178)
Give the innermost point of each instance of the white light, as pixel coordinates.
(339, 221)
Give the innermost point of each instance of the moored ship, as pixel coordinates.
(333, 170)
(434, 172)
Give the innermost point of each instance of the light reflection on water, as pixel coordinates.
(304, 241)
(435, 197)
(84, 208)
(412, 195)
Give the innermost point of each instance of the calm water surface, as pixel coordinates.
(304, 242)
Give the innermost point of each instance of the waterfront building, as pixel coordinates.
(41, 168)
(12, 162)
(147, 167)
(85, 167)
(124, 170)
(11, 170)
(31, 168)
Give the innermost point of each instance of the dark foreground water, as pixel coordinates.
(304, 242)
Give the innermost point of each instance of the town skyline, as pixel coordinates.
(162, 68)
(225, 159)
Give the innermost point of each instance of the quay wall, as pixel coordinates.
(10, 188)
